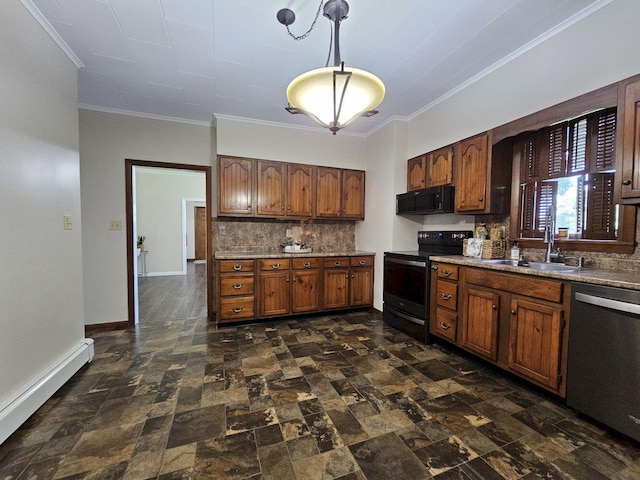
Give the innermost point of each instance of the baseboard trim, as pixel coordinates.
(25, 404)
(94, 327)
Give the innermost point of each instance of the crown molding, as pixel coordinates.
(149, 116)
(44, 23)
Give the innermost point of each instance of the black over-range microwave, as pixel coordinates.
(426, 201)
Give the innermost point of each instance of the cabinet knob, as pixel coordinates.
(275, 266)
(494, 307)
(446, 273)
(288, 208)
(481, 199)
(337, 264)
(445, 296)
(513, 312)
(626, 182)
(237, 267)
(306, 264)
(294, 279)
(346, 276)
(287, 280)
(237, 309)
(445, 325)
(352, 275)
(249, 206)
(434, 267)
(363, 262)
(237, 286)
(282, 208)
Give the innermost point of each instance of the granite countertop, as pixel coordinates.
(598, 276)
(278, 253)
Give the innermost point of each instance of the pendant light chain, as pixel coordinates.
(313, 25)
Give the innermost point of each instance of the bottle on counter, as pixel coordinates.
(515, 252)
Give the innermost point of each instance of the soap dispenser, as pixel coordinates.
(515, 252)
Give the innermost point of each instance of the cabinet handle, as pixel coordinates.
(445, 325)
(446, 296)
(237, 310)
(494, 307)
(275, 266)
(306, 264)
(434, 267)
(446, 273)
(237, 267)
(626, 182)
(513, 312)
(249, 206)
(336, 264)
(363, 262)
(237, 286)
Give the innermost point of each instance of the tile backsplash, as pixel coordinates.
(251, 234)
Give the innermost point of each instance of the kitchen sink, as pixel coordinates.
(548, 267)
(552, 267)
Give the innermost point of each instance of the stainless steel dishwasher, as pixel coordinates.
(603, 373)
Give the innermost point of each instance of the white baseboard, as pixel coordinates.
(25, 404)
(165, 274)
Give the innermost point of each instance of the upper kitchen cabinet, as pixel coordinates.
(416, 173)
(235, 186)
(340, 193)
(483, 176)
(440, 167)
(628, 145)
(284, 189)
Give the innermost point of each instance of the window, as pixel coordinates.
(567, 172)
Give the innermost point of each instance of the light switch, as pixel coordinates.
(115, 225)
(223, 229)
(68, 222)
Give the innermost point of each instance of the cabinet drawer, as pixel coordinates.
(448, 271)
(274, 264)
(236, 307)
(446, 324)
(227, 266)
(236, 285)
(301, 263)
(447, 295)
(336, 262)
(362, 261)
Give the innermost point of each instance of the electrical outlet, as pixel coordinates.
(115, 225)
(68, 222)
(223, 229)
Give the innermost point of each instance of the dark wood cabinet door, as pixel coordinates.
(361, 287)
(440, 167)
(479, 326)
(306, 291)
(472, 174)
(353, 194)
(416, 173)
(335, 288)
(235, 186)
(299, 190)
(271, 188)
(535, 339)
(629, 170)
(275, 293)
(328, 192)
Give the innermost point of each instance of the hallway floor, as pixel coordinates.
(324, 397)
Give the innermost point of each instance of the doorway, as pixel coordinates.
(132, 232)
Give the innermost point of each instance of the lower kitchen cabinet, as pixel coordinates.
(535, 336)
(518, 322)
(479, 325)
(286, 286)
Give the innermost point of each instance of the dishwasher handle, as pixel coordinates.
(625, 307)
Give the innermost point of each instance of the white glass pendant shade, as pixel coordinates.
(313, 94)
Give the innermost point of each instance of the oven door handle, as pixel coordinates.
(417, 321)
(413, 263)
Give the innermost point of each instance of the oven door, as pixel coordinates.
(406, 285)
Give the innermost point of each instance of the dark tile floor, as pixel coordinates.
(325, 397)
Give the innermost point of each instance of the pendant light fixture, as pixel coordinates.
(333, 96)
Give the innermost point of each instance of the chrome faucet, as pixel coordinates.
(549, 237)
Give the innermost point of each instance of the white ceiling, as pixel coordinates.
(189, 59)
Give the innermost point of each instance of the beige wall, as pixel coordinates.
(105, 141)
(41, 318)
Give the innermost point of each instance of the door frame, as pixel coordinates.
(131, 279)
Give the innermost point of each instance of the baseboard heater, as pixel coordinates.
(23, 406)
